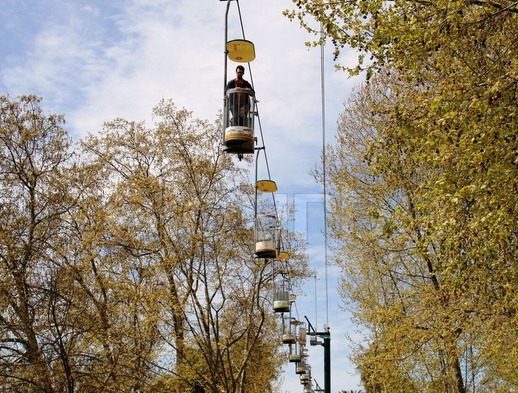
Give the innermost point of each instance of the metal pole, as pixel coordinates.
(226, 51)
(225, 75)
(327, 363)
(326, 335)
(258, 150)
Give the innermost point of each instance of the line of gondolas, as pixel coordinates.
(239, 114)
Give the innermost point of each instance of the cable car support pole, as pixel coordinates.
(326, 336)
(225, 70)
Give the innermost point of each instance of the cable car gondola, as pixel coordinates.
(239, 121)
(281, 295)
(239, 100)
(266, 228)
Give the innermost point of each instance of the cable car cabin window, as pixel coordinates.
(240, 107)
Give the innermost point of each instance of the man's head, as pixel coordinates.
(240, 71)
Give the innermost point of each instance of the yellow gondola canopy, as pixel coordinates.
(266, 186)
(241, 51)
(283, 255)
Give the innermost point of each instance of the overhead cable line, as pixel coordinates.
(239, 139)
(324, 164)
(263, 148)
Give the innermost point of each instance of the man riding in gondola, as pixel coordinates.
(239, 102)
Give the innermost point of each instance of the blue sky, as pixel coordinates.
(95, 60)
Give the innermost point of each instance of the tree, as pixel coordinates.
(413, 37)
(34, 149)
(436, 150)
(390, 277)
(179, 202)
(128, 266)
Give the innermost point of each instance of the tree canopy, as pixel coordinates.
(126, 259)
(425, 174)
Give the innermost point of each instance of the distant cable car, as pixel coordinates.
(266, 229)
(305, 377)
(288, 338)
(302, 336)
(281, 295)
(300, 367)
(297, 350)
(295, 355)
(266, 236)
(289, 329)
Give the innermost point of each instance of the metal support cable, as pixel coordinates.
(257, 114)
(324, 163)
(225, 67)
(316, 298)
